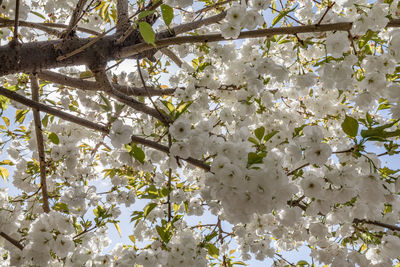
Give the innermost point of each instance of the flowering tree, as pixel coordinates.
(274, 136)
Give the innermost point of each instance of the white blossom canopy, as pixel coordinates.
(276, 120)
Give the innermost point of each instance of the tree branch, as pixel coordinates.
(12, 240)
(172, 56)
(35, 56)
(38, 26)
(95, 86)
(142, 47)
(102, 79)
(91, 125)
(198, 23)
(46, 27)
(122, 16)
(40, 144)
(166, 120)
(16, 18)
(58, 113)
(76, 16)
(384, 225)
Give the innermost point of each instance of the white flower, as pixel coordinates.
(312, 186)
(318, 154)
(235, 15)
(229, 31)
(180, 150)
(120, 134)
(337, 43)
(260, 4)
(180, 129)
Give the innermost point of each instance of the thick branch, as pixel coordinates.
(15, 38)
(58, 113)
(40, 143)
(122, 16)
(341, 26)
(95, 86)
(76, 16)
(91, 125)
(11, 240)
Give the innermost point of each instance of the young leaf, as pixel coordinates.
(54, 138)
(149, 208)
(137, 153)
(259, 132)
(167, 14)
(147, 33)
(213, 250)
(4, 173)
(350, 126)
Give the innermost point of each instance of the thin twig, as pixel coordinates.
(384, 225)
(169, 183)
(40, 143)
(326, 12)
(295, 170)
(165, 120)
(213, 6)
(12, 240)
(101, 77)
(287, 15)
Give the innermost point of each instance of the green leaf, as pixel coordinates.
(167, 14)
(147, 33)
(270, 135)
(20, 115)
(45, 120)
(259, 132)
(60, 206)
(162, 232)
(254, 158)
(369, 118)
(118, 229)
(132, 238)
(38, 14)
(149, 208)
(6, 162)
(86, 74)
(107, 106)
(145, 13)
(379, 133)
(4, 173)
(213, 250)
(302, 263)
(168, 105)
(210, 236)
(54, 138)
(350, 126)
(137, 153)
(239, 263)
(281, 15)
(6, 121)
(253, 140)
